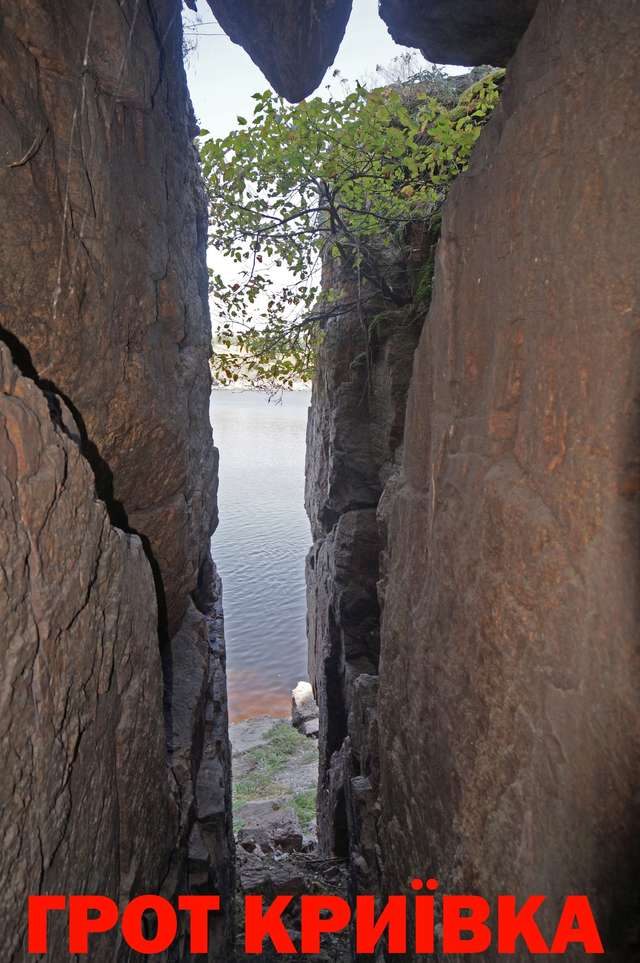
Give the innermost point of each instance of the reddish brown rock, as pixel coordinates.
(102, 258)
(509, 722)
(84, 764)
(104, 299)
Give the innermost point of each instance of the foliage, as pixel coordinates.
(298, 185)
(408, 72)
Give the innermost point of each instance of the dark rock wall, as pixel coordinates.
(293, 42)
(508, 710)
(459, 31)
(103, 299)
(486, 732)
(354, 432)
(200, 756)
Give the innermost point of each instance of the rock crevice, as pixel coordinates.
(353, 444)
(105, 304)
(81, 693)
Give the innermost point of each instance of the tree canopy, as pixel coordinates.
(335, 178)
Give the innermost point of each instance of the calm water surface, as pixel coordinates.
(260, 546)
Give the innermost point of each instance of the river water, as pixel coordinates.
(260, 546)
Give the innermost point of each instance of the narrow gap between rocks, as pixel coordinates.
(260, 548)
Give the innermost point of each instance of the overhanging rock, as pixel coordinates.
(468, 32)
(292, 42)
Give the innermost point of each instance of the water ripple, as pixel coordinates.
(260, 546)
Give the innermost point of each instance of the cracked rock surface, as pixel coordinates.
(104, 301)
(81, 687)
(102, 259)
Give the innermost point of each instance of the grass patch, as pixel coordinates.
(282, 742)
(265, 762)
(305, 806)
(254, 785)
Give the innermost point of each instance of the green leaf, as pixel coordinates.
(324, 178)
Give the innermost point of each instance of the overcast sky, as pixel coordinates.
(222, 77)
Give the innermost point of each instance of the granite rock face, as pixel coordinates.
(102, 259)
(492, 556)
(353, 437)
(459, 31)
(508, 707)
(104, 303)
(81, 689)
(293, 42)
(200, 758)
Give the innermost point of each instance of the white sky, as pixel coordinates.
(222, 77)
